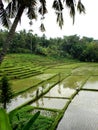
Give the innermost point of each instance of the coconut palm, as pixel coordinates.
(16, 8)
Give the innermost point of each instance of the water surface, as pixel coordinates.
(60, 91)
(82, 113)
(92, 83)
(50, 103)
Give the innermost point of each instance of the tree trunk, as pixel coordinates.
(4, 105)
(11, 34)
(0, 2)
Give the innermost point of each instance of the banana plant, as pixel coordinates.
(4, 120)
(5, 123)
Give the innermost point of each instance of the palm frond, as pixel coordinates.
(57, 5)
(42, 28)
(4, 20)
(60, 19)
(12, 9)
(42, 8)
(80, 7)
(32, 3)
(32, 13)
(71, 5)
(72, 13)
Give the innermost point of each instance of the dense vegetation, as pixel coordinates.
(21, 117)
(83, 49)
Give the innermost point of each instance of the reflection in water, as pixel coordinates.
(17, 101)
(92, 83)
(74, 81)
(37, 93)
(37, 103)
(42, 101)
(60, 91)
(25, 97)
(50, 103)
(59, 88)
(82, 113)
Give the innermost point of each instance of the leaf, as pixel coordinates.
(11, 9)
(31, 121)
(60, 20)
(4, 20)
(57, 5)
(80, 7)
(4, 120)
(42, 28)
(32, 13)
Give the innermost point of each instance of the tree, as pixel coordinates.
(6, 92)
(16, 8)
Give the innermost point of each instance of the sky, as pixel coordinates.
(85, 24)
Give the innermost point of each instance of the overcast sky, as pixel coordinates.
(85, 25)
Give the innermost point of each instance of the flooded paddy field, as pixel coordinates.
(51, 103)
(82, 113)
(65, 92)
(92, 83)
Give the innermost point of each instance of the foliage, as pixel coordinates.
(13, 7)
(21, 117)
(5, 123)
(83, 49)
(31, 121)
(4, 120)
(6, 92)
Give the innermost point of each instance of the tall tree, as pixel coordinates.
(6, 92)
(16, 8)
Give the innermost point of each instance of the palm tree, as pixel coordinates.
(16, 8)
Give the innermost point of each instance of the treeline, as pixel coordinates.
(83, 49)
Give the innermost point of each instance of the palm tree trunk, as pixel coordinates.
(4, 105)
(11, 34)
(1, 4)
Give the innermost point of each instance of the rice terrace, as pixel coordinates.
(48, 65)
(65, 91)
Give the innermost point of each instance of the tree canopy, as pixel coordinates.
(84, 49)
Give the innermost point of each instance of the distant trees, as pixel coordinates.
(6, 92)
(90, 52)
(84, 49)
